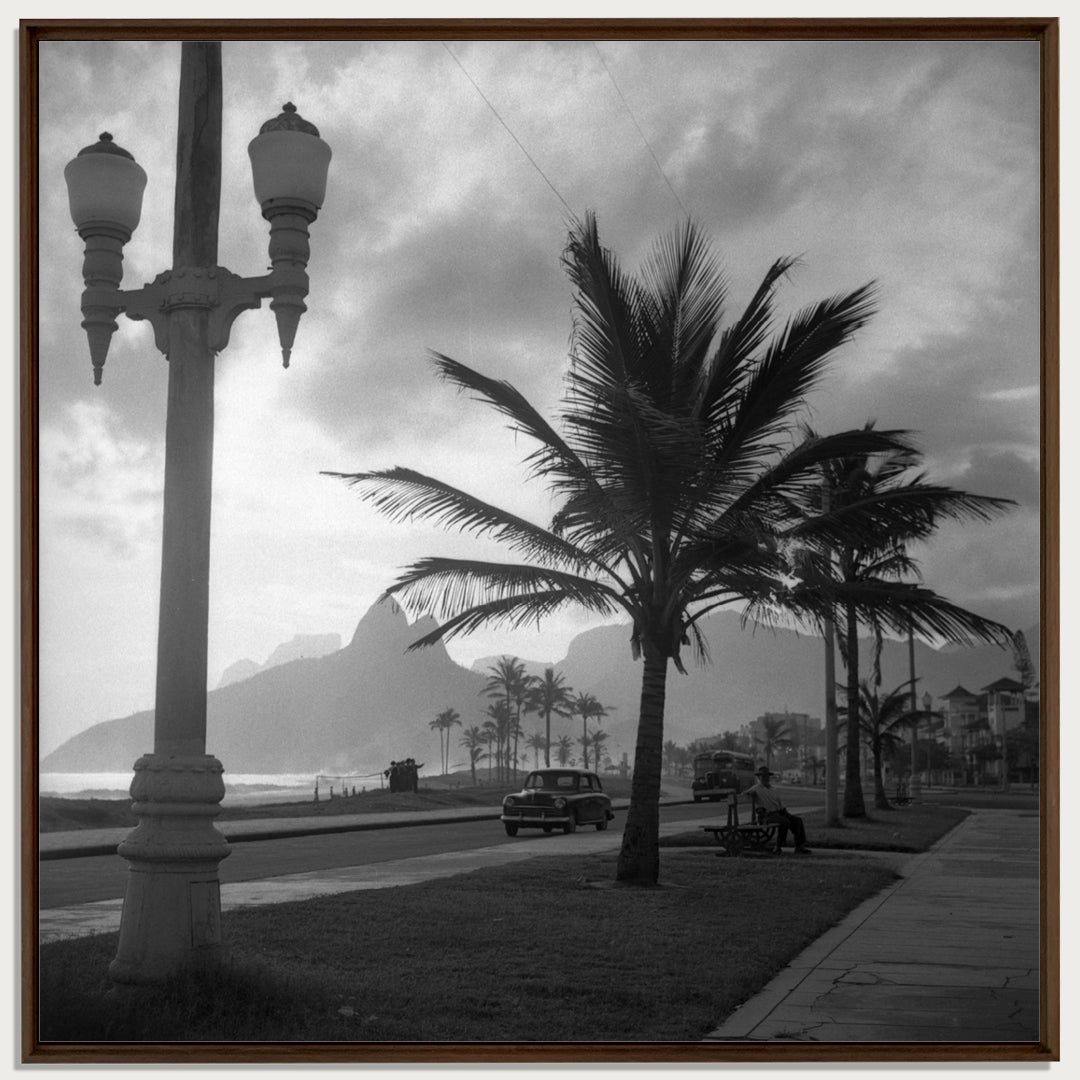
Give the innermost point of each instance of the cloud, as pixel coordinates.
(911, 163)
(98, 483)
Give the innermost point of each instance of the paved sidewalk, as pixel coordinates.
(950, 953)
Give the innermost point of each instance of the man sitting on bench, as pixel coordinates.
(773, 806)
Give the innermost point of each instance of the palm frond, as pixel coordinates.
(724, 374)
(686, 292)
(447, 588)
(794, 361)
(898, 607)
(605, 341)
(406, 495)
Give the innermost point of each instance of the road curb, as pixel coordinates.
(283, 832)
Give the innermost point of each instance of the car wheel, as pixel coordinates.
(601, 825)
(511, 829)
(548, 828)
(571, 825)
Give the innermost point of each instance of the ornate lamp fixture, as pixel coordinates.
(289, 164)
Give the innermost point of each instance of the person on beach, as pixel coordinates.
(775, 812)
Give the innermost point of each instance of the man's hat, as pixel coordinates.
(763, 771)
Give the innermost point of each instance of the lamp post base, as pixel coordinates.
(172, 903)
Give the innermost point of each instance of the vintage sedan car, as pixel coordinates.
(557, 798)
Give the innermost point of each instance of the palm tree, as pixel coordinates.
(447, 719)
(774, 736)
(563, 748)
(507, 680)
(498, 725)
(549, 695)
(437, 725)
(598, 739)
(474, 740)
(674, 477)
(537, 742)
(489, 731)
(880, 720)
(585, 705)
(856, 568)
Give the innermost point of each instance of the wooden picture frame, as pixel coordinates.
(34, 33)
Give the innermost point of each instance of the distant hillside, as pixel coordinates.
(367, 703)
(752, 672)
(372, 701)
(302, 646)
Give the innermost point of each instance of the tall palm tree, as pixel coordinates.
(507, 680)
(537, 742)
(813, 763)
(437, 725)
(774, 736)
(549, 695)
(474, 740)
(498, 725)
(563, 749)
(447, 719)
(856, 568)
(599, 737)
(674, 476)
(881, 718)
(585, 705)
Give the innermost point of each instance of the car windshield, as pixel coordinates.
(549, 781)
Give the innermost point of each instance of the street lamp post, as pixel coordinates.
(172, 906)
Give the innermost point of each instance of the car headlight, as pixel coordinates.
(509, 801)
(559, 804)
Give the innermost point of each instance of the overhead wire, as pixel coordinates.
(630, 113)
(521, 146)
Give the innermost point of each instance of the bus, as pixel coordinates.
(719, 773)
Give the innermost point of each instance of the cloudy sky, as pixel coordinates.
(911, 163)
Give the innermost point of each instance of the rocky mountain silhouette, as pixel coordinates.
(302, 646)
(350, 711)
(372, 701)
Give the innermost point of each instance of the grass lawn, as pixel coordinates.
(908, 829)
(544, 950)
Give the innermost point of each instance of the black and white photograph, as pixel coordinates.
(539, 542)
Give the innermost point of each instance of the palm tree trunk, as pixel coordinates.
(854, 806)
(639, 857)
(585, 739)
(881, 800)
(547, 739)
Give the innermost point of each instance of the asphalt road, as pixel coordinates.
(79, 881)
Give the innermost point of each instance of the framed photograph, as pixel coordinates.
(539, 540)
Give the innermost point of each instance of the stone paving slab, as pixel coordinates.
(948, 954)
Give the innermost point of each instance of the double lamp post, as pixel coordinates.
(172, 906)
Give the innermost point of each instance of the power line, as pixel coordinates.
(630, 113)
(509, 132)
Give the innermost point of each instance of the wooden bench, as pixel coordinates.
(902, 796)
(755, 835)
